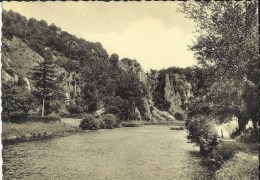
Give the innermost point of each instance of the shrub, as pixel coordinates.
(18, 117)
(179, 116)
(202, 132)
(117, 106)
(89, 122)
(74, 108)
(102, 124)
(111, 121)
(250, 135)
(5, 118)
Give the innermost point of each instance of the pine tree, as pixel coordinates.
(46, 83)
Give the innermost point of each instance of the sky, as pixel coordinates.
(153, 33)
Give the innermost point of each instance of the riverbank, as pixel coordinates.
(141, 123)
(30, 131)
(232, 159)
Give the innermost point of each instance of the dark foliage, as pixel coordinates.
(158, 94)
(89, 122)
(110, 121)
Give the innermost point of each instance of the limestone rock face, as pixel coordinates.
(161, 116)
(172, 96)
(147, 114)
(173, 89)
(128, 64)
(71, 86)
(26, 83)
(177, 91)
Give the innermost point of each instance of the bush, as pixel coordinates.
(89, 122)
(179, 116)
(111, 121)
(102, 124)
(18, 117)
(202, 132)
(5, 118)
(250, 135)
(74, 108)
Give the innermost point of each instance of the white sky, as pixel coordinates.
(153, 33)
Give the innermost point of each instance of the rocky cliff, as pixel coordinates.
(169, 92)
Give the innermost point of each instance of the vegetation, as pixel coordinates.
(89, 122)
(27, 131)
(241, 166)
(110, 121)
(48, 91)
(226, 49)
(202, 132)
(96, 77)
(15, 99)
(225, 83)
(225, 153)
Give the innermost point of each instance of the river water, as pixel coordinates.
(147, 152)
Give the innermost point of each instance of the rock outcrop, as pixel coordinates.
(172, 91)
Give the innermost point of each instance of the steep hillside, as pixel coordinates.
(91, 80)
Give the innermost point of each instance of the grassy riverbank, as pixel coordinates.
(12, 132)
(233, 160)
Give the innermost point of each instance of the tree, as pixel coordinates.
(227, 36)
(226, 46)
(15, 99)
(159, 100)
(130, 89)
(117, 106)
(114, 59)
(47, 87)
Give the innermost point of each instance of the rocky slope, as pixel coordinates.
(18, 59)
(24, 45)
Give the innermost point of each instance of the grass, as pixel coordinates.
(235, 146)
(27, 131)
(241, 166)
(233, 160)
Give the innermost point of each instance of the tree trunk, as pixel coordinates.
(43, 102)
(241, 123)
(75, 88)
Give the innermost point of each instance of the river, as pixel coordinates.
(148, 152)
